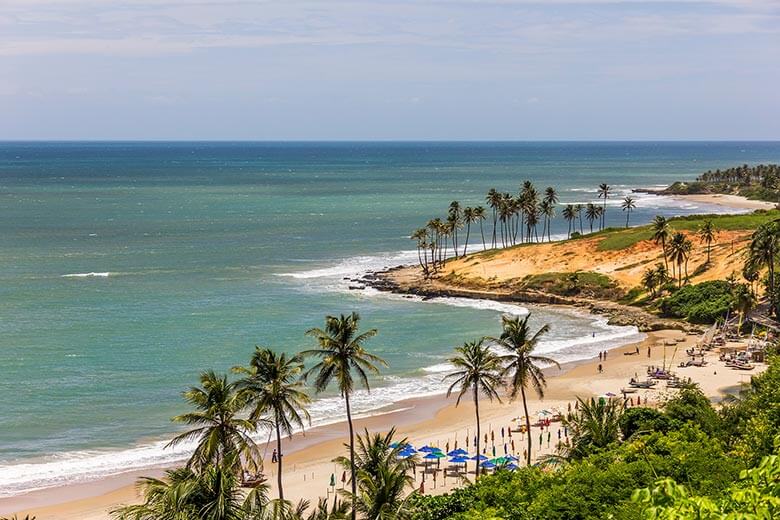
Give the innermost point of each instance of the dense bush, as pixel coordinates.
(643, 420)
(701, 303)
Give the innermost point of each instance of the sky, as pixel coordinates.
(395, 69)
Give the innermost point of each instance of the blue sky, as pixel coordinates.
(396, 69)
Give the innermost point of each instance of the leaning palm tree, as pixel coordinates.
(382, 475)
(707, 235)
(275, 393)
(477, 370)
(220, 431)
(522, 365)
(628, 206)
(342, 356)
(604, 191)
(212, 493)
(594, 425)
(661, 230)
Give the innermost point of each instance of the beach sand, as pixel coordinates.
(729, 201)
(432, 420)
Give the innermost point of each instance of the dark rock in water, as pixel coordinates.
(356, 287)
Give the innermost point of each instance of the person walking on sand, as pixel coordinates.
(274, 458)
(601, 369)
(599, 356)
(548, 438)
(540, 439)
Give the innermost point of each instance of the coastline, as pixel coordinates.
(432, 420)
(313, 452)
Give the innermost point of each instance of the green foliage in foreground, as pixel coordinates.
(686, 461)
(617, 239)
(701, 303)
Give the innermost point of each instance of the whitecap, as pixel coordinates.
(87, 275)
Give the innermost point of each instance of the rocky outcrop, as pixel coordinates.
(618, 314)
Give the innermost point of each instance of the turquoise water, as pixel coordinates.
(126, 268)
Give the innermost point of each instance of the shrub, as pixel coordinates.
(701, 303)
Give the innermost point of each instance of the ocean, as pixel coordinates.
(128, 268)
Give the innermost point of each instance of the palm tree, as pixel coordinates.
(628, 206)
(493, 200)
(382, 476)
(707, 234)
(600, 216)
(578, 212)
(650, 281)
(743, 301)
(341, 353)
(604, 191)
(214, 493)
(479, 216)
(661, 230)
(454, 219)
(522, 364)
(595, 425)
(547, 209)
(591, 214)
(275, 393)
(219, 430)
(468, 218)
(568, 215)
(678, 249)
(420, 235)
(762, 254)
(478, 370)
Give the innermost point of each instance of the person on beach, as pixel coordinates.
(599, 356)
(648, 352)
(601, 369)
(637, 349)
(540, 439)
(274, 458)
(548, 438)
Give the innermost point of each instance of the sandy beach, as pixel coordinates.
(432, 420)
(729, 201)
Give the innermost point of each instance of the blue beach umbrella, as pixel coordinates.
(488, 465)
(511, 458)
(511, 466)
(479, 457)
(459, 460)
(428, 449)
(458, 453)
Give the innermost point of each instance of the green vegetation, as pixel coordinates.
(617, 239)
(700, 303)
(515, 218)
(522, 366)
(580, 283)
(673, 463)
(761, 182)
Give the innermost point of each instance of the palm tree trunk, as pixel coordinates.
(494, 228)
(709, 243)
(351, 455)
(279, 462)
(663, 247)
(628, 214)
(466, 243)
(482, 232)
(479, 439)
(527, 425)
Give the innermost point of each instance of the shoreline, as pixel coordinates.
(90, 500)
(433, 420)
